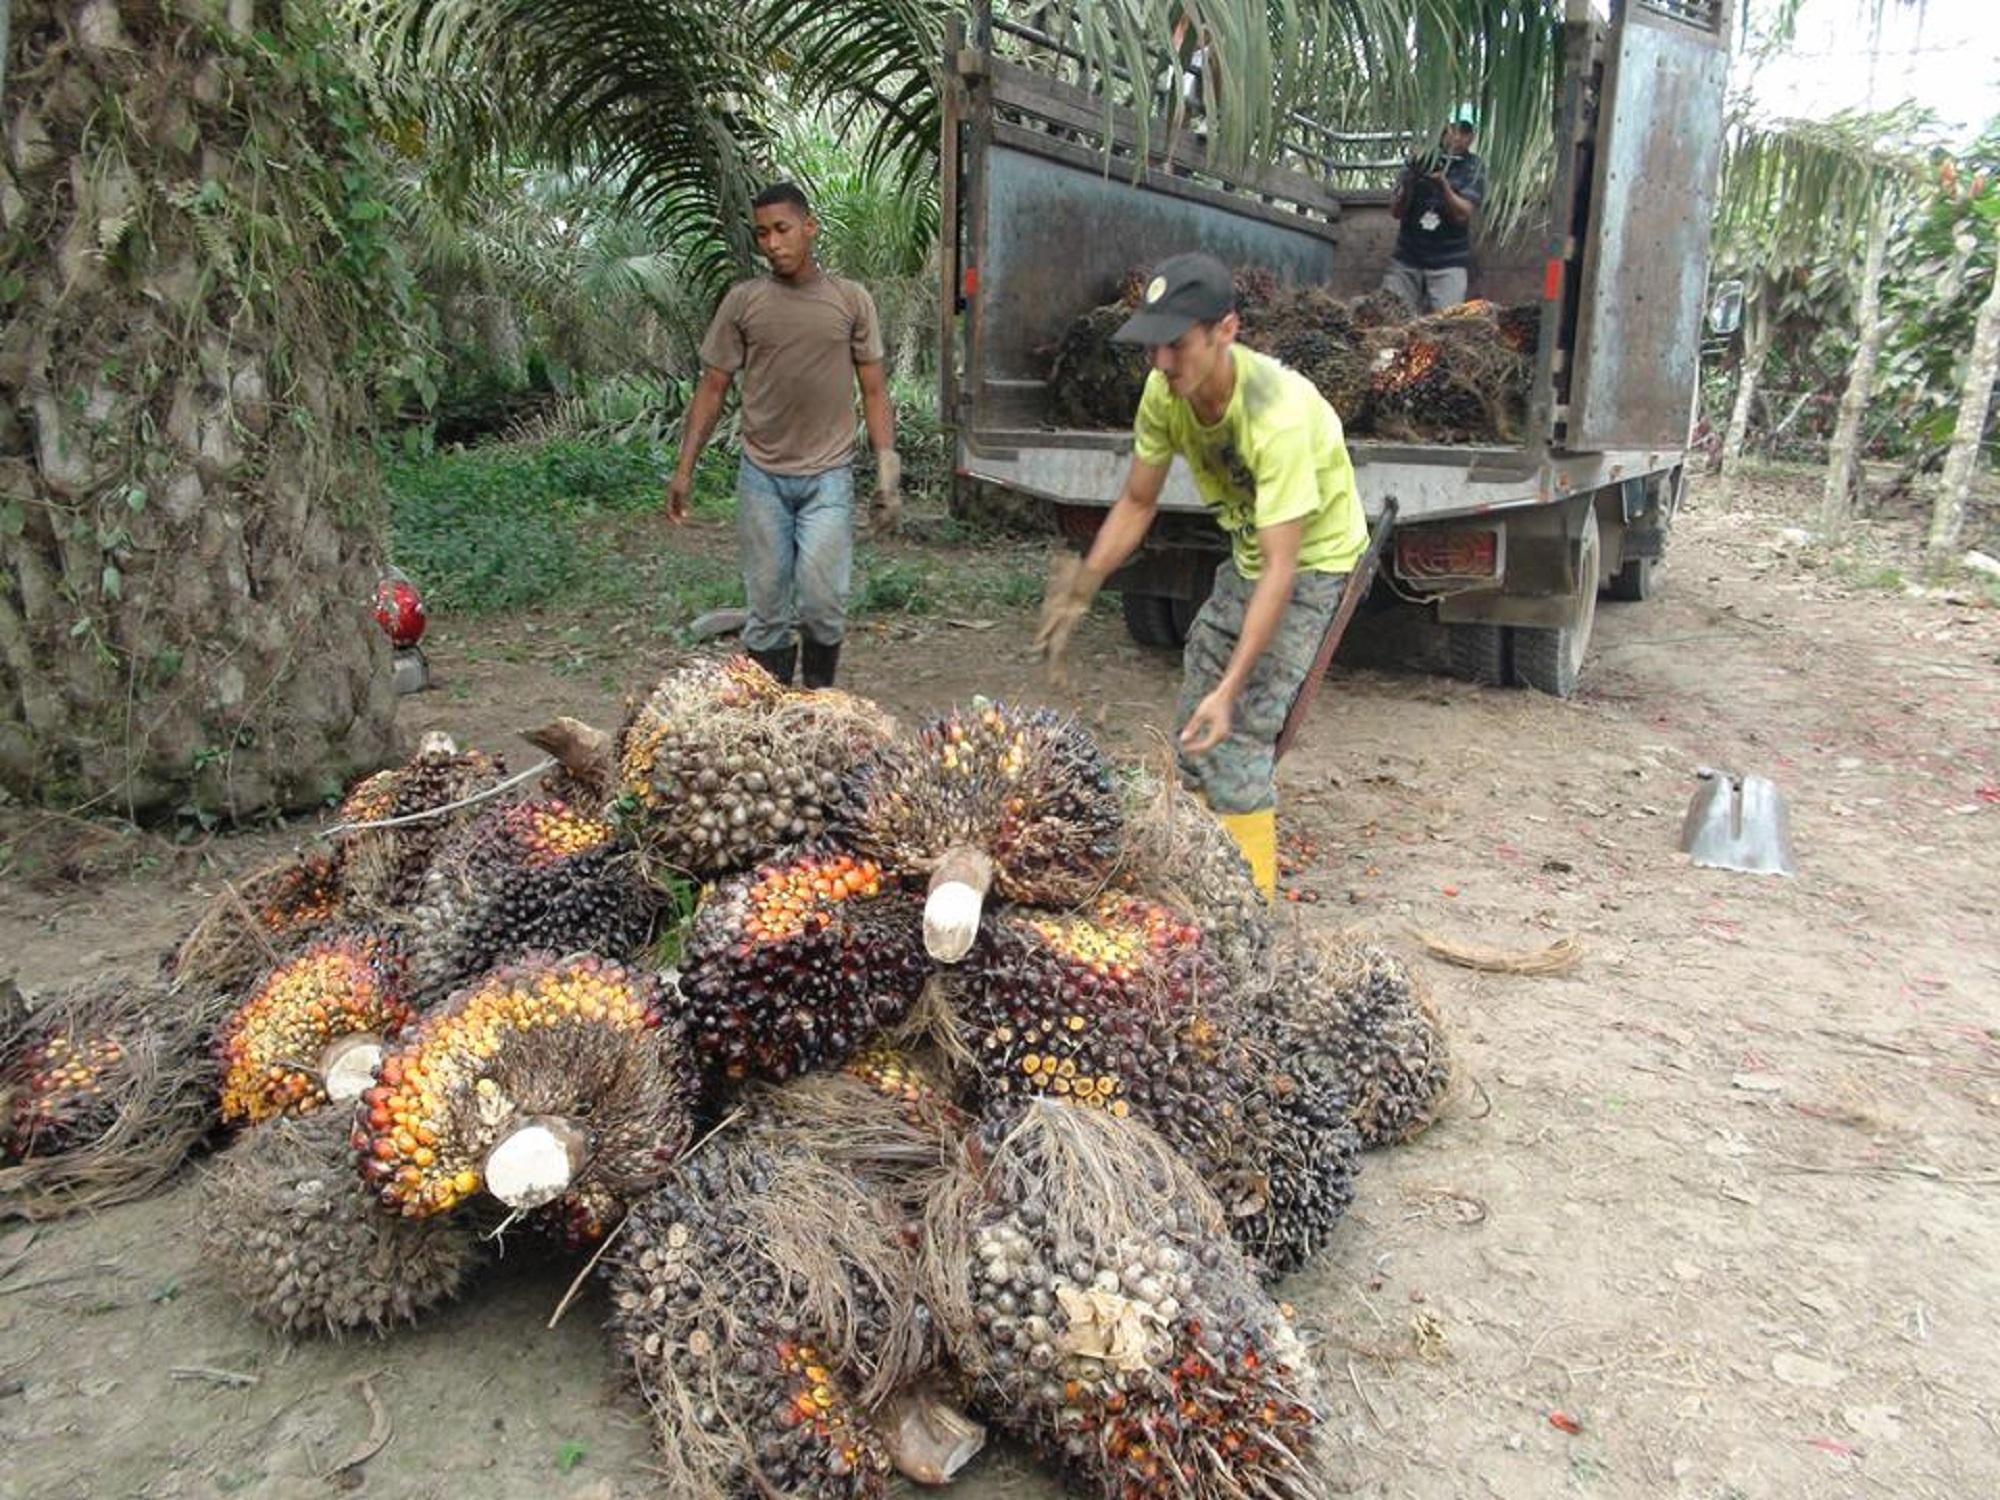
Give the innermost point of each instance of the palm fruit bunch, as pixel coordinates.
(105, 1087)
(719, 1284)
(586, 771)
(1453, 378)
(1017, 801)
(530, 875)
(1176, 851)
(1357, 1007)
(246, 923)
(1091, 1293)
(58, 1092)
(313, 1028)
(1309, 1156)
(293, 1234)
(798, 963)
(1520, 326)
(1094, 382)
(542, 1079)
(921, 1093)
(721, 767)
(383, 868)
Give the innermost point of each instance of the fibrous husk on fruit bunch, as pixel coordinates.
(1357, 1007)
(105, 1088)
(586, 771)
(382, 869)
(1451, 378)
(721, 767)
(798, 963)
(1175, 851)
(299, 1239)
(1122, 1008)
(1088, 1286)
(253, 922)
(543, 1080)
(763, 1297)
(1016, 801)
(313, 1028)
(537, 875)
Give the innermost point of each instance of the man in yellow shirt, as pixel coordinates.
(1268, 457)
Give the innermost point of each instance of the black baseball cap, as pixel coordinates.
(1184, 290)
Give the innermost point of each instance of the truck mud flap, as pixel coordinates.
(1358, 584)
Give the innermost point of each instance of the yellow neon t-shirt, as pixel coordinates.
(1277, 455)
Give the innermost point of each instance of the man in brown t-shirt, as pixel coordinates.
(803, 339)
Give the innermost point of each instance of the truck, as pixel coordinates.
(1050, 195)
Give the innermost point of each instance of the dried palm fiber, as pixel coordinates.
(586, 770)
(537, 875)
(1378, 309)
(756, 1295)
(252, 923)
(1016, 801)
(544, 1078)
(382, 868)
(312, 1029)
(291, 1232)
(1122, 1008)
(798, 963)
(1358, 1008)
(1451, 378)
(1175, 851)
(721, 767)
(1088, 1287)
(105, 1088)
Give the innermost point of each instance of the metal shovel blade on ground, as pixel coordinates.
(1739, 823)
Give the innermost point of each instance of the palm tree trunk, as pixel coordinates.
(1757, 323)
(190, 527)
(1975, 400)
(1844, 454)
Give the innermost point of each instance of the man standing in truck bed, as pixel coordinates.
(803, 339)
(1268, 457)
(1435, 200)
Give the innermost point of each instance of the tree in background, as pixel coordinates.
(203, 311)
(1976, 197)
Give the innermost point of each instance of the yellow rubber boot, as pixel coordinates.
(1256, 834)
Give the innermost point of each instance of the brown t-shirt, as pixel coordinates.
(797, 347)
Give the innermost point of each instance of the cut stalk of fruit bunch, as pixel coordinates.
(986, 800)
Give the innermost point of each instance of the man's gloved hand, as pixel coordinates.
(1072, 585)
(885, 511)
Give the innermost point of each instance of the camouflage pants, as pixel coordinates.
(1237, 775)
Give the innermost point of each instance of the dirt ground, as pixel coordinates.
(1718, 1215)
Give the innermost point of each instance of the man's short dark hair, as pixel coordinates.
(787, 193)
(1466, 125)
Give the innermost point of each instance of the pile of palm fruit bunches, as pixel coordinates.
(1457, 376)
(899, 1083)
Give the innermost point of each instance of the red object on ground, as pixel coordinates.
(399, 609)
(1562, 1421)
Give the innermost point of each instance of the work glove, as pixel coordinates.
(1072, 585)
(886, 509)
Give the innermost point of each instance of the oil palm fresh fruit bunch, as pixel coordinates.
(534, 875)
(382, 867)
(542, 1079)
(721, 767)
(799, 963)
(250, 920)
(297, 1238)
(1089, 1288)
(1017, 802)
(313, 1028)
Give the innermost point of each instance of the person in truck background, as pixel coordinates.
(1436, 199)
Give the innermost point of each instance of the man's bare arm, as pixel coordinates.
(696, 428)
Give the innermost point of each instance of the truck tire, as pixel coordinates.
(1634, 581)
(1551, 661)
(1478, 653)
(1150, 619)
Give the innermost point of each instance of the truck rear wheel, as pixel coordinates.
(1478, 653)
(1551, 661)
(1161, 620)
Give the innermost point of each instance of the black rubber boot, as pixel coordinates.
(817, 662)
(778, 661)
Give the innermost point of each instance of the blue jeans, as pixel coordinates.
(797, 535)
